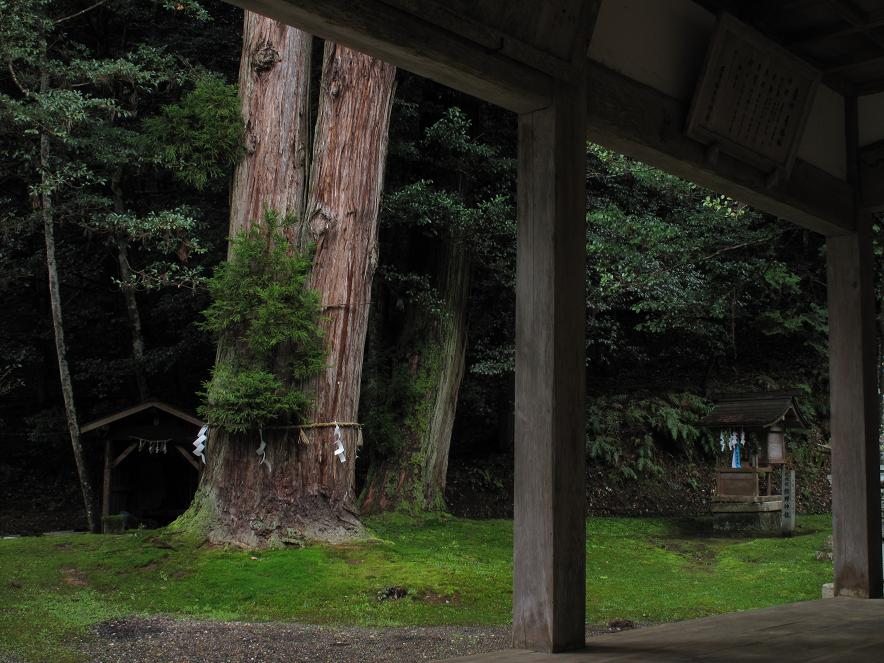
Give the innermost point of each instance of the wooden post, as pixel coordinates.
(106, 485)
(856, 491)
(549, 546)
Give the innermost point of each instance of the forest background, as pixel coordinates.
(688, 293)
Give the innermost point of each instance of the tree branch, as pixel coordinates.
(740, 246)
(15, 80)
(79, 13)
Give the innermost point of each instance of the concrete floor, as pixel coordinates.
(849, 630)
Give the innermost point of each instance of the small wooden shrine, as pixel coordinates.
(751, 428)
(150, 474)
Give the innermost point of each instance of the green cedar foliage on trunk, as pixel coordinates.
(261, 308)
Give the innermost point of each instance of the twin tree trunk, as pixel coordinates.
(433, 347)
(304, 492)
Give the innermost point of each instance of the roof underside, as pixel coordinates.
(842, 38)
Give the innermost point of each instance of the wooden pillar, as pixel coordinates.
(106, 484)
(856, 490)
(549, 547)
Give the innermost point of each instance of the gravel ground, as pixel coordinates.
(185, 641)
(161, 639)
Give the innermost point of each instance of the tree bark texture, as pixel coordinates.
(349, 154)
(414, 477)
(274, 86)
(303, 492)
(67, 387)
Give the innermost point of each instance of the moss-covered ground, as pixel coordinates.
(455, 571)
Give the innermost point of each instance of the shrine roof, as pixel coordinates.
(141, 407)
(758, 410)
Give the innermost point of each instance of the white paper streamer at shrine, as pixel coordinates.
(262, 451)
(339, 444)
(200, 443)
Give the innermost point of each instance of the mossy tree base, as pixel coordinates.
(299, 495)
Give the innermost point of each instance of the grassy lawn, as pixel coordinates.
(456, 572)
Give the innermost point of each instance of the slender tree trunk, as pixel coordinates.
(303, 492)
(414, 477)
(67, 388)
(129, 294)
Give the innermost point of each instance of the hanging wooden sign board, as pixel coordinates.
(753, 98)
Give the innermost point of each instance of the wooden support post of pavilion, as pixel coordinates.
(549, 545)
(856, 488)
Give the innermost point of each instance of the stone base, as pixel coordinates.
(747, 514)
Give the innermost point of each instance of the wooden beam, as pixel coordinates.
(119, 459)
(871, 176)
(853, 357)
(188, 457)
(870, 20)
(445, 16)
(853, 393)
(549, 543)
(859, 20)
(637, 120)
(854, 64)
(464, 55)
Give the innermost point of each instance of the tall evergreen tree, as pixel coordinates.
(298, 488)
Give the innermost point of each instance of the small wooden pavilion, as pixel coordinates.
(777, 104)
(157, 482)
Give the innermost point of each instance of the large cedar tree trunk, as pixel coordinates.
(274, 85)
(303, 492)
(350, 149)
(433, 350)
